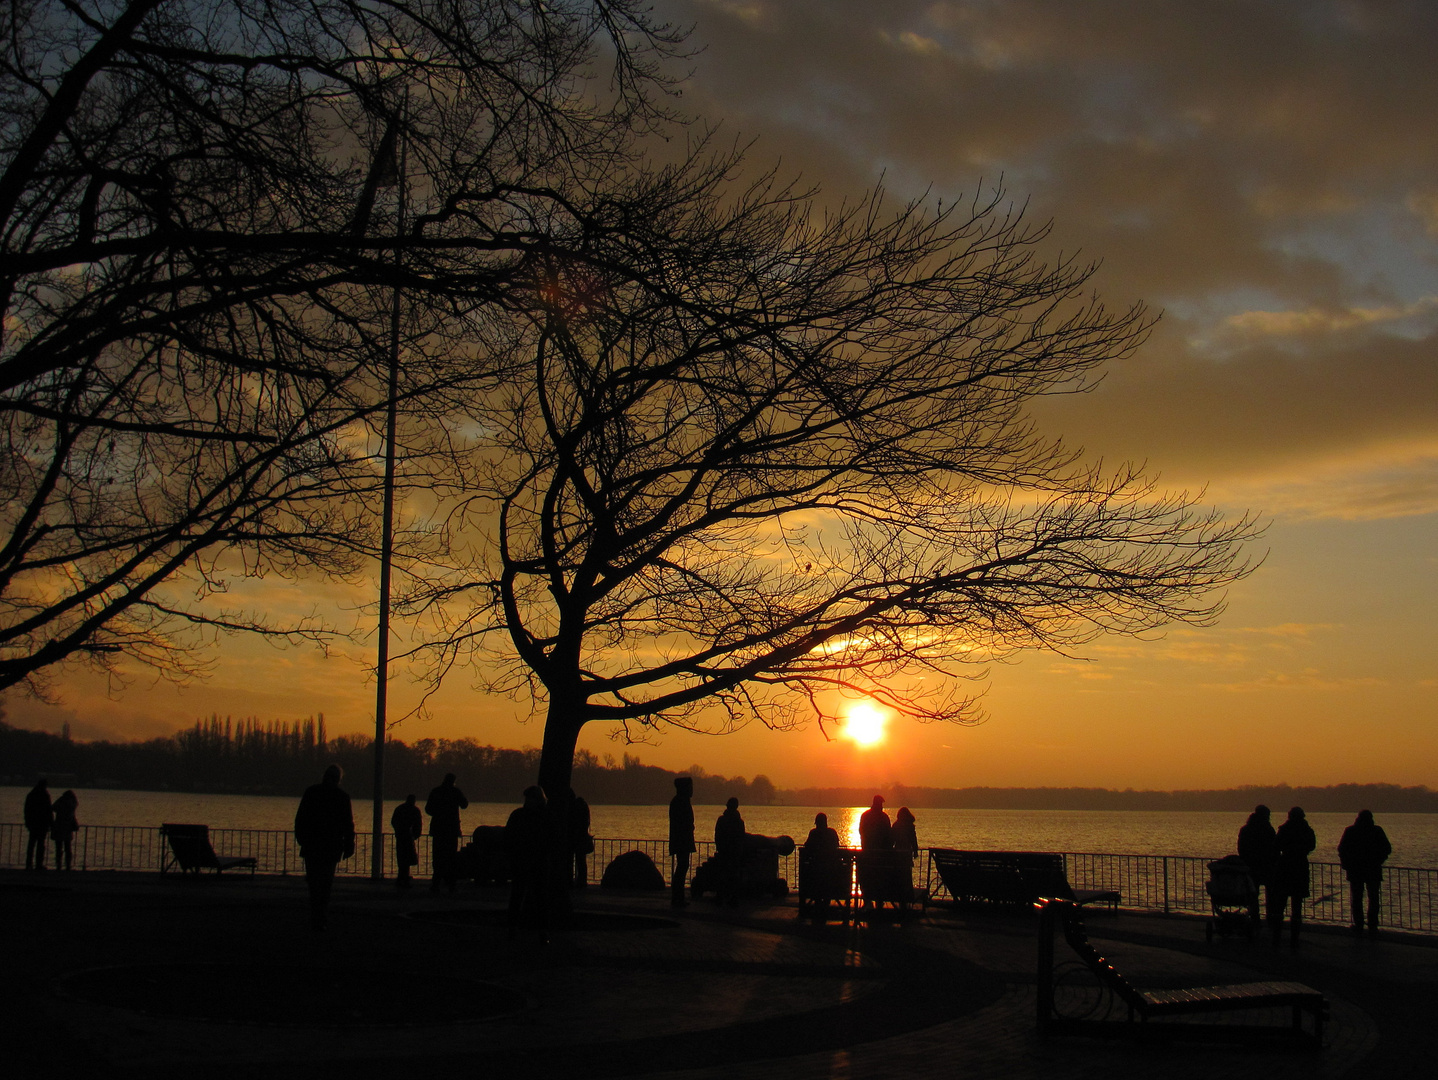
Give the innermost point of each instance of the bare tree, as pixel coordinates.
(200, 213)
(792, 460)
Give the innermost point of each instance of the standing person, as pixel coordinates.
(39, 819)
(408, 825)
(443, 807)
(1258, 848)
(876, 831)
(906, 837)
(829, 877)
(65, 828)
(1294, 840)
(581, 841)
(681, 837)
(526, 838)
(1362, 852)
(729, 852)
(325, 830)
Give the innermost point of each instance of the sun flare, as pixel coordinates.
(864, 724)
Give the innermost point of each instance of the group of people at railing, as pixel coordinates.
(46, 820)
(1277, 860)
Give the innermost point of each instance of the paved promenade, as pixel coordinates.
(115, 974)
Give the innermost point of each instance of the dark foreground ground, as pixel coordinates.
(119, 975)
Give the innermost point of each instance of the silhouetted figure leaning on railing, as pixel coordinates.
(1362, 852)
(325, 831)
(408, 825)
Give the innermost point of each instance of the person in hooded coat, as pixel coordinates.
(1258, 848)
(1294, 840)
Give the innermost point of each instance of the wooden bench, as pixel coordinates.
(1138, 1007)
(1011, 877)
(887, 877)
(190, 852)
(825, 878)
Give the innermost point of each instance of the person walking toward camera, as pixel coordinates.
(1294, 840)
(1362, 852)
(325, 830)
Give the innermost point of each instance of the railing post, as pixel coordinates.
(1166, 907)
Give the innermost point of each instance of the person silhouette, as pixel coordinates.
(39, 819)
(1294, 840)
(1362, 852)
(1258, 848)
(325, 830)
(729, 852)
(876, 831)
(681, 837)
(64, 830)
(443, 807)
(581, 841)
(408, 825)
(821, 860)
(526, 838)
(905, 836)
(822, 839)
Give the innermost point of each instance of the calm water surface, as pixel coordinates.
(1136, 832)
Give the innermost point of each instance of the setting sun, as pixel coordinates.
(864, 724)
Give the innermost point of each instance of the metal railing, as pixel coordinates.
(1166, 883)
(1176, 884)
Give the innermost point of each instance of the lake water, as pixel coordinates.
(1130, 832)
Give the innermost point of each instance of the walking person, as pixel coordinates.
(1294, 840)
(681, 837)
(39, 820)
(408, 825)
(325, 830)
(64, 830)
(443, 807)
(1258, 848)
(729, 852)
(1362, 852)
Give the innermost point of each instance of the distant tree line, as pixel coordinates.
(1339, 798)
(279, 757)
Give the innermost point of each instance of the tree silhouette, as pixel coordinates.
(791, 463)
(199, 212)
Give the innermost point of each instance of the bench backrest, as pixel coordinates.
(1019, 877)
(191, 845)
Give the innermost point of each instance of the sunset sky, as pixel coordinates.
(1263, 173)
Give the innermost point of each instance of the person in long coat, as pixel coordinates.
(1258, 848)
(1295, 840)
(681, 837)
(729, 852)
(876, 831)
(443, 807)
(39, 819)
(408, 825)
(325, 830)
(1362, 852)
(527, 839)
(64, 830)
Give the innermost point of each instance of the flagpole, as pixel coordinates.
(386, 549)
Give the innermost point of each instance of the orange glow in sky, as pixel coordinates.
(864, 724)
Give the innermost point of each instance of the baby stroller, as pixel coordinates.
(1234, 895)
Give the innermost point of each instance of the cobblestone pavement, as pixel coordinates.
(138, 975)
